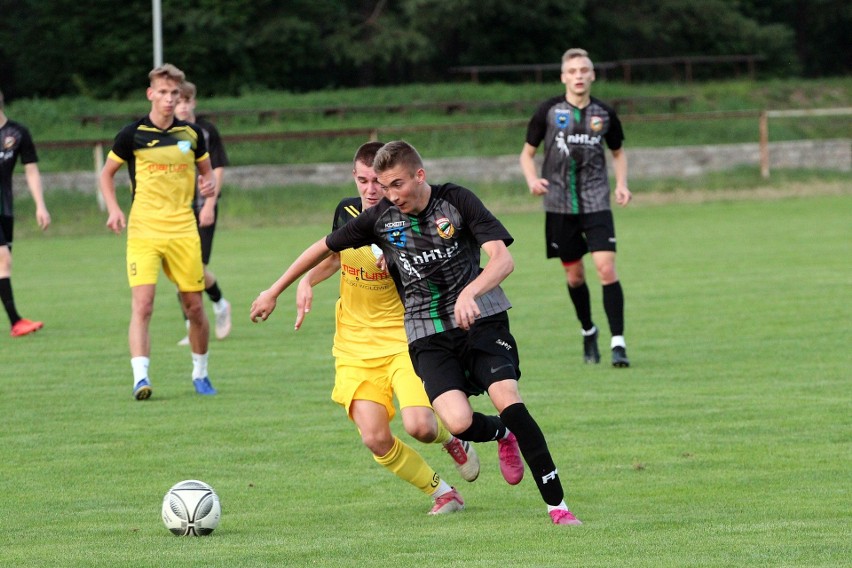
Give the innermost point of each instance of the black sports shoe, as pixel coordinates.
(590, 348)
(619, 357)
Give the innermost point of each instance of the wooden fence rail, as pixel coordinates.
(627, 104)
(374, 132)
(626, 66)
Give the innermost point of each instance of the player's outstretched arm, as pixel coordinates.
(265, 302)
(305, 291)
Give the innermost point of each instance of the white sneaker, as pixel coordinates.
(465, 458)
(223, 318)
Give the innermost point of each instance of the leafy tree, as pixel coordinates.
(659, 28)
(65, 46)
(821, 29)
(102, 48)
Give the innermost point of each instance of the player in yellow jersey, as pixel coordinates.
(371, 356)
(162, 154)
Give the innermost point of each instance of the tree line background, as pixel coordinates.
(103, 48)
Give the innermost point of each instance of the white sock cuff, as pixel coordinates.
(140, 368)
(561, 505)
(443, 489)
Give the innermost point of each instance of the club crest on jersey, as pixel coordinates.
(184, 146)
(596, 123)
(9, 142)
(445, 228)
(562, 118)
(396, 237)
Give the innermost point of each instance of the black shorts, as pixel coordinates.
(206, 234)
(569, 237)
(469, 361)
(7, 229)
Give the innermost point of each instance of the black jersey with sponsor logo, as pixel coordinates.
(435, 254)
(15, 141)
(218, 156)
(574, 154)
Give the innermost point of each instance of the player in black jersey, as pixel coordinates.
(456, 317)
(575, 188)
(15, 141)
(207, 210)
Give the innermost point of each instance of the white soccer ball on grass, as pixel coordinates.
(191, 508)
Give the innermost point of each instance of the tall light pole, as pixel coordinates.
(157, 18)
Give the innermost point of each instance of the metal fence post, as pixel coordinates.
(98, 152)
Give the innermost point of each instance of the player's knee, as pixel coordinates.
(420, 423)
(5, 260)
(379, 443)
(457, 424)
(574, 274)
(143, 309)
(422, 431)
(194, 310)
(607, 276)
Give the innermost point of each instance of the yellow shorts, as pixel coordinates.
(378, 380)
(179, 257)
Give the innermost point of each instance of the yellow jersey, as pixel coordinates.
(369, 312)
(162, 168)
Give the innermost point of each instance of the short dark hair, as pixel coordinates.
(187, 90)
(367, 153)
(398, 153)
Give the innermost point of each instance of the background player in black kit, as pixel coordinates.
(207, 210)
(575, 186)
(456, 316)
(15, 141)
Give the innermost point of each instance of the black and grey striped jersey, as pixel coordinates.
(15, 141)
(574, 155)
(435, 254)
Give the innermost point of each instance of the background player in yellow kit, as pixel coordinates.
(162, 154)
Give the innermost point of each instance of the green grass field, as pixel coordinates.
(727, 443)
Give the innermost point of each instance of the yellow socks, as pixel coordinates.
(444, 435)
(410, 466)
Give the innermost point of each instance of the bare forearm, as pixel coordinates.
(499, 266)
(619, 167)
(307, 260)
(34, 184)
(327, 268)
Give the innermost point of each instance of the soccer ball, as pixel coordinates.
(191, 508)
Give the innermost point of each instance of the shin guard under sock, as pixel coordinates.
(613, 301)
(214, 293)
(8, 300)
(404, 462)
(483, 429)
(582, 305)
(533, 447)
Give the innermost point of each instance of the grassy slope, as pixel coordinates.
(55, 120)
